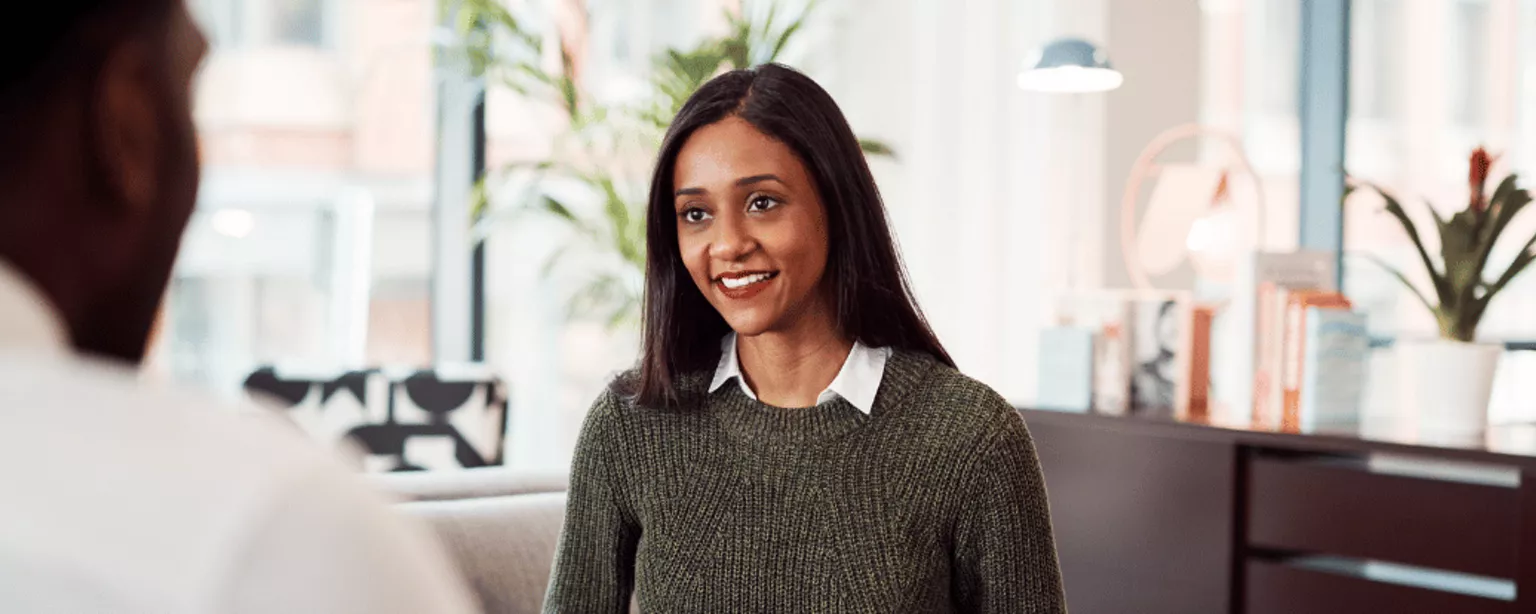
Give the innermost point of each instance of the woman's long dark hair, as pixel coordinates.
(873, 300)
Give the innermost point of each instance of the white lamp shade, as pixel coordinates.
(1070, 66)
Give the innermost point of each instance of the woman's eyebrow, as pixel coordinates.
(746, 181)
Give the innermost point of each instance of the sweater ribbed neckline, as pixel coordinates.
(754, 421)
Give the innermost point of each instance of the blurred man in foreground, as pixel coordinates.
(113, 497)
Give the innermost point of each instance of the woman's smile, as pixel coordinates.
(743, 285)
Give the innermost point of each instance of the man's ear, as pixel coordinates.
(125, 128)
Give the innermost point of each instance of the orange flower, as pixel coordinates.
(1478, 178)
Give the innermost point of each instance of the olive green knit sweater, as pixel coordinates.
(933, 502)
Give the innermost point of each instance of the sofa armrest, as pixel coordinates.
(466, 484)
(504, 547)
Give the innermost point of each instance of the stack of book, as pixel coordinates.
(1150, 354)
(1311, 352)
(1285, 350)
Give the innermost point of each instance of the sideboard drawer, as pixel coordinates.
(1338, 508)
(1274, 587)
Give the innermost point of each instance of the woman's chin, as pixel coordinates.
(749, 324)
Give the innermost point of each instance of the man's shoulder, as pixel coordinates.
(178, 493)
(105, 451)
(102, 407)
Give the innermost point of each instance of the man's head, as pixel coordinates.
(98, 159)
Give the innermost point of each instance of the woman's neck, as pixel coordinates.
(793, 367)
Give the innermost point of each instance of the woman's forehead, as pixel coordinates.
(731, 149)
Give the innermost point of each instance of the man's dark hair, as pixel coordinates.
(48, 40)
(55, 45)
(872, 300)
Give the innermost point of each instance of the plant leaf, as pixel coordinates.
(625, 311)
(784, 38)
(560, 211)
(603, 289)
(1507, 201)
(479, 201)
(1459, 253)
(538, 166)
(1480, 305)
(1376, 260)
(875, 147)
(629, 244)
(567, 83)
(1500, 210)
(1522, 260)
(554, 259)
(466, 18)
(1442, 289)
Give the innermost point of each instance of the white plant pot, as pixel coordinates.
(1445, 385)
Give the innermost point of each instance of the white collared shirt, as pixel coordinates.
(857, 382)
(122, 496)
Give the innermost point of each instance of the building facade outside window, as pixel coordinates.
(235, 24)
(310, 246)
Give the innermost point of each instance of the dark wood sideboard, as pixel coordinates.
(1162, 515)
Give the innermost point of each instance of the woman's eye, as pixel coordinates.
(762, 203)
(694, 215)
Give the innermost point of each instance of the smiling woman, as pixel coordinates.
(850, 468)
(750, 221)
(760, 173)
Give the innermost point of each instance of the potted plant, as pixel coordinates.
(1446, 382)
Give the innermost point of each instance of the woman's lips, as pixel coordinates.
(743, 286)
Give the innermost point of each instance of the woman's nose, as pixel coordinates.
(732, 241)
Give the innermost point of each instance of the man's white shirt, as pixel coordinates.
(118, 496)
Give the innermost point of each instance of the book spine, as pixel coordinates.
(1338, 347)
(1194, 398)
(1274, 400)
(1304, 307)
(1295, 341)
(1262, 326)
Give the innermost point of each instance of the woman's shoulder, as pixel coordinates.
(625, 384)
(946, 391)
(623, 391)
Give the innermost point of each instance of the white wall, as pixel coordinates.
(970, 190)
(1157, 45)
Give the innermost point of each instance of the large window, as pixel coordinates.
(1378, 40)
(310, 243)
(561, 319)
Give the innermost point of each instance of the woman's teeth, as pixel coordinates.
(734, 283)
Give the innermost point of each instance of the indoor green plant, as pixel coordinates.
(596, 178)
(1461, 291)
(1448, 381)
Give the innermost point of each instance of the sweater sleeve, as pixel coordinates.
(594, 565)
(1005, 554)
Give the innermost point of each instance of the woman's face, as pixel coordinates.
(751, 227)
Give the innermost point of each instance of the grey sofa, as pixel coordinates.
(500, 526)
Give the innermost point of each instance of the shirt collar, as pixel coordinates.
(857, 382)
(28, 321)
